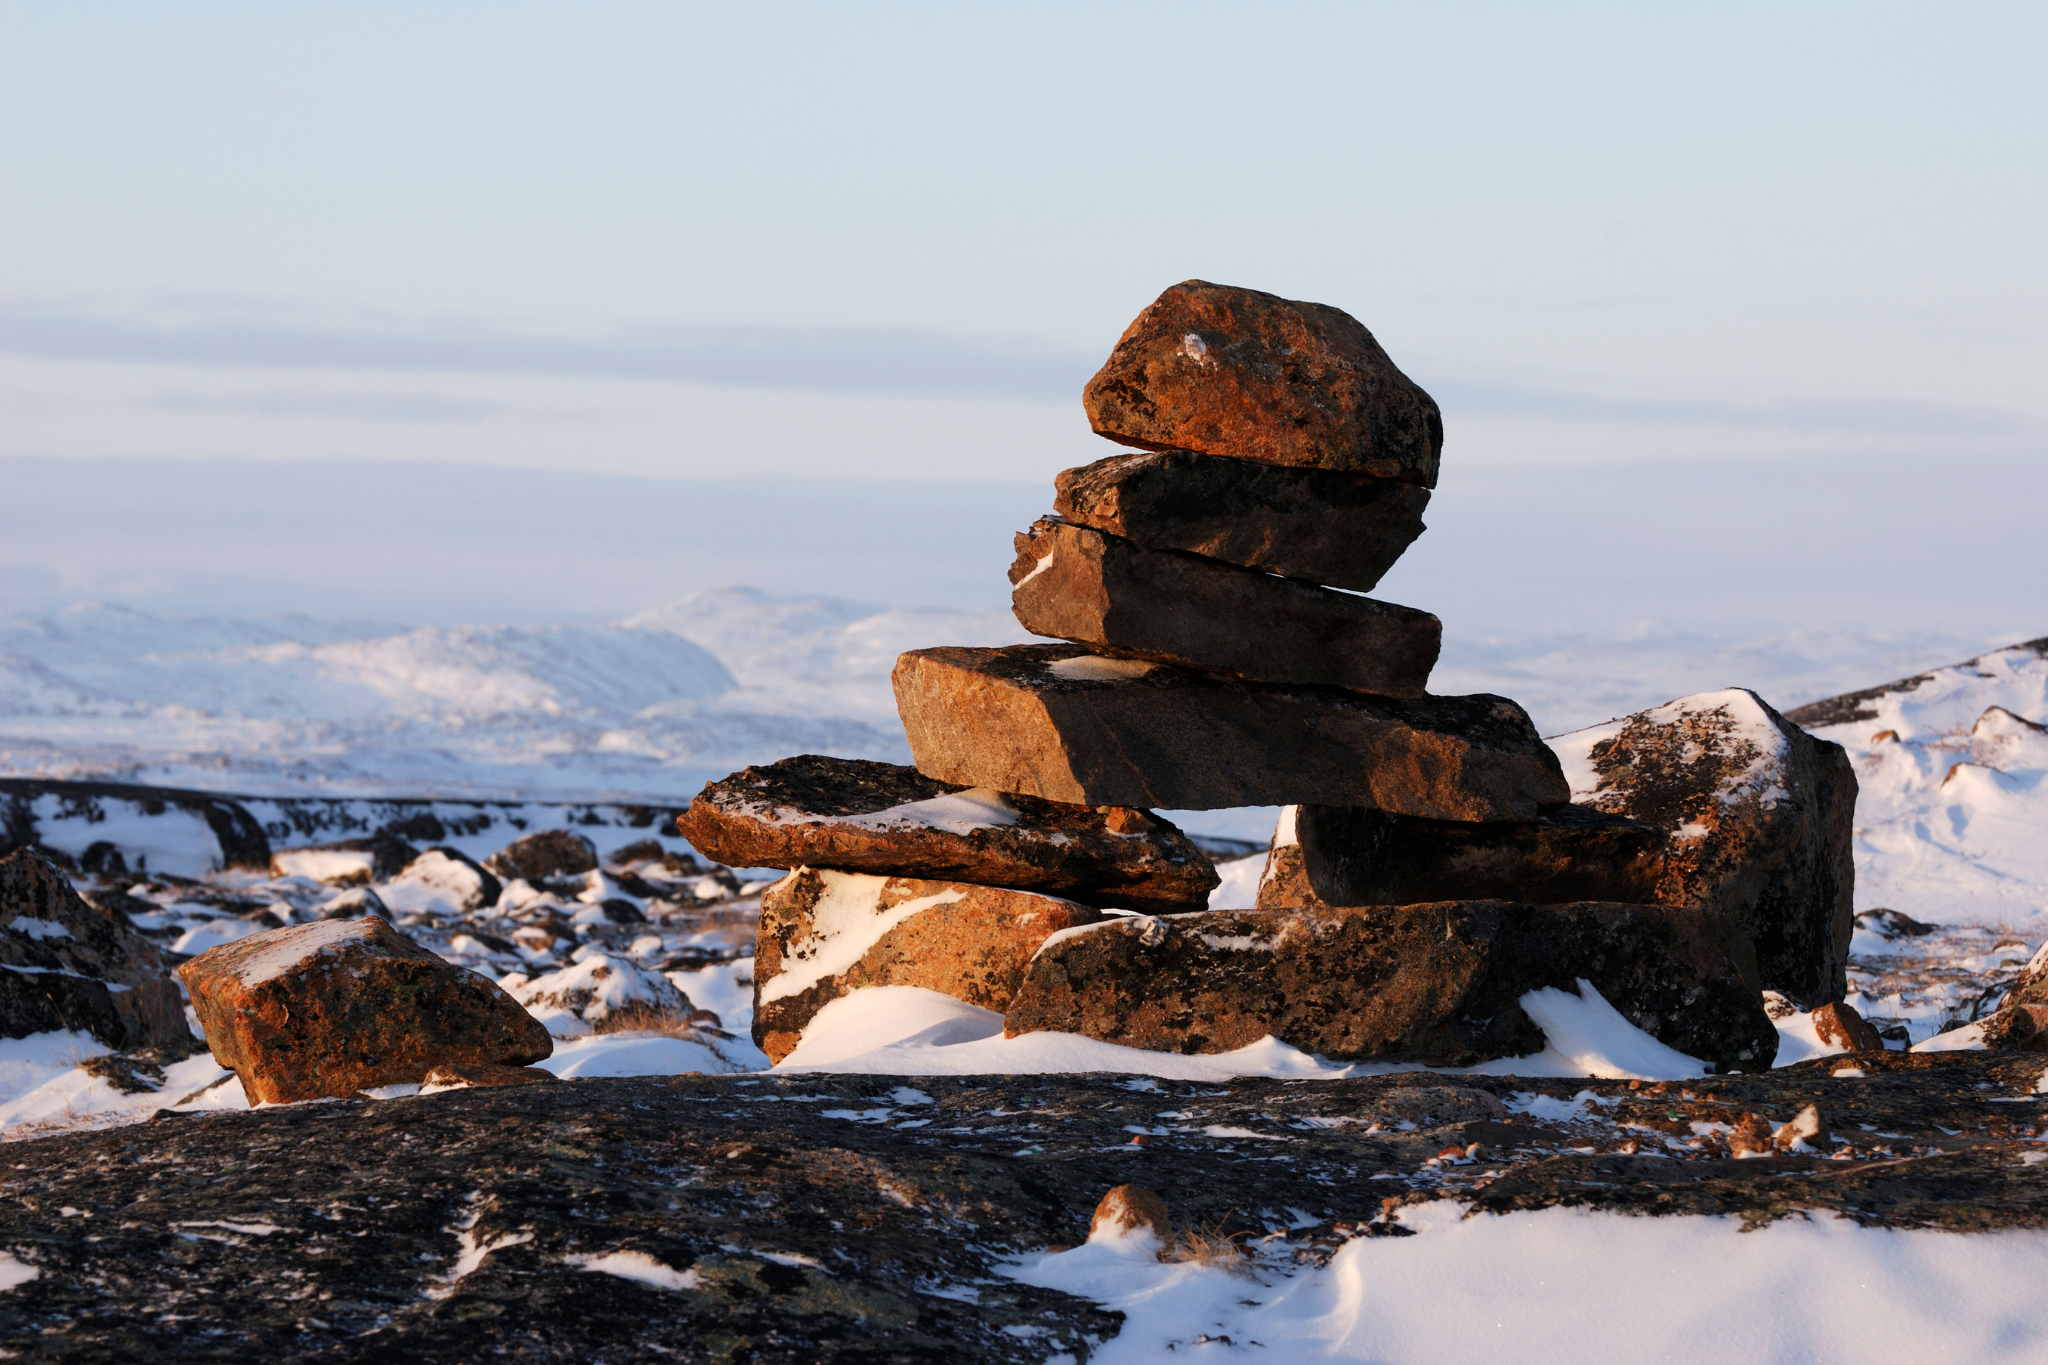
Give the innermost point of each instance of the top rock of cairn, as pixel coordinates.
(1225, 371)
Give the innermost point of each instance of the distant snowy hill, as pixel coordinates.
(652, 706)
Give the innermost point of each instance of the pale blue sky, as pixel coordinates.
(893, 240)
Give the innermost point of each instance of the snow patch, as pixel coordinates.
(846, 921)
(1095, 668)
(640, 1267)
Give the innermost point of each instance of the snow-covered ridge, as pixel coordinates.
(652, 705)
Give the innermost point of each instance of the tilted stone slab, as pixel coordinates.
(1344, 855)
(1226, 371)
(1345, 530)
(1117, 597)
(1440, 983)
(861, 816)
(1057, 722)
(1758, 818)
(825, 933)
(67, 965)
(340, 1005)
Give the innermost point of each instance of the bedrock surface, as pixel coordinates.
(813, 1221)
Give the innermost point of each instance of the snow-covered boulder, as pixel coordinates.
(600, 992)
(341, 1005)
(66, 965)
(442, 881)
(1758, 818)
(826, 933)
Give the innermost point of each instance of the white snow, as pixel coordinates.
(909, 1031)
(846, 921)
(15, 1273)
(960, 812)
(38, 929)
(1580, 1288)
(629, 1053)
(171, 839)
(324, 864)
(638, 1265)
(214, 932)
(1237, 885)
(297, 945)
(26, 1063)
(1095, 668)
(1746, 724)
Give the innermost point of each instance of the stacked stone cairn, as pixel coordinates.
(1216, 650)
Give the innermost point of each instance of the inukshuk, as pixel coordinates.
(1217, 651)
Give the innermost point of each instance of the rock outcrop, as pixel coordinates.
(1057, 722)
(861, 816)
(1757, 817)
(1226, 371)
(341, 1005)
(543, 854)
(825, 933)
(68, 965)
(1345, 530)
(1439, 983)
(1121, 599)
(1348, 855)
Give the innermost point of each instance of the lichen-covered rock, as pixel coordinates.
(1757, 816)
(2017, 1028)
(1438, 983)
(1346, 855)
(66, 964)
(340, 1005)
(1227, 371)
(1058, 722)
(543, 854)
(824, 933)
(601, 991)
(861, 816)
(1119, 598)
(1345, 530)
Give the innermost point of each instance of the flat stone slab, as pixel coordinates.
(1344, 855)
(824, 933)
(1057, 722)
(1438, 983)
(1117, 597)
(1345, 530)
(862, 816)
(1226, 371)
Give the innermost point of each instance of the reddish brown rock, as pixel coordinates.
(342, 1005)
(1345, 530)
(1805, 1132)
(2018, 1028)
(1757, 817)
(1056, 722)
(1119, 598)
(824, 933)
(1439, 983)
(860, 816)
(458, 1076)
(1839, 1025)
(66, 964)
(1225, 371)
(1127, 1208)
(1344, 855)
(1752, 1136)
(2030, 989)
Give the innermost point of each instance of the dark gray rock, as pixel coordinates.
(736, 1178)
(862, 816)
(69, 965)
(1119, 598)
(1345, 530)
(1227, 371)
(1056, 722)
(543, 854)
(1414, 983)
